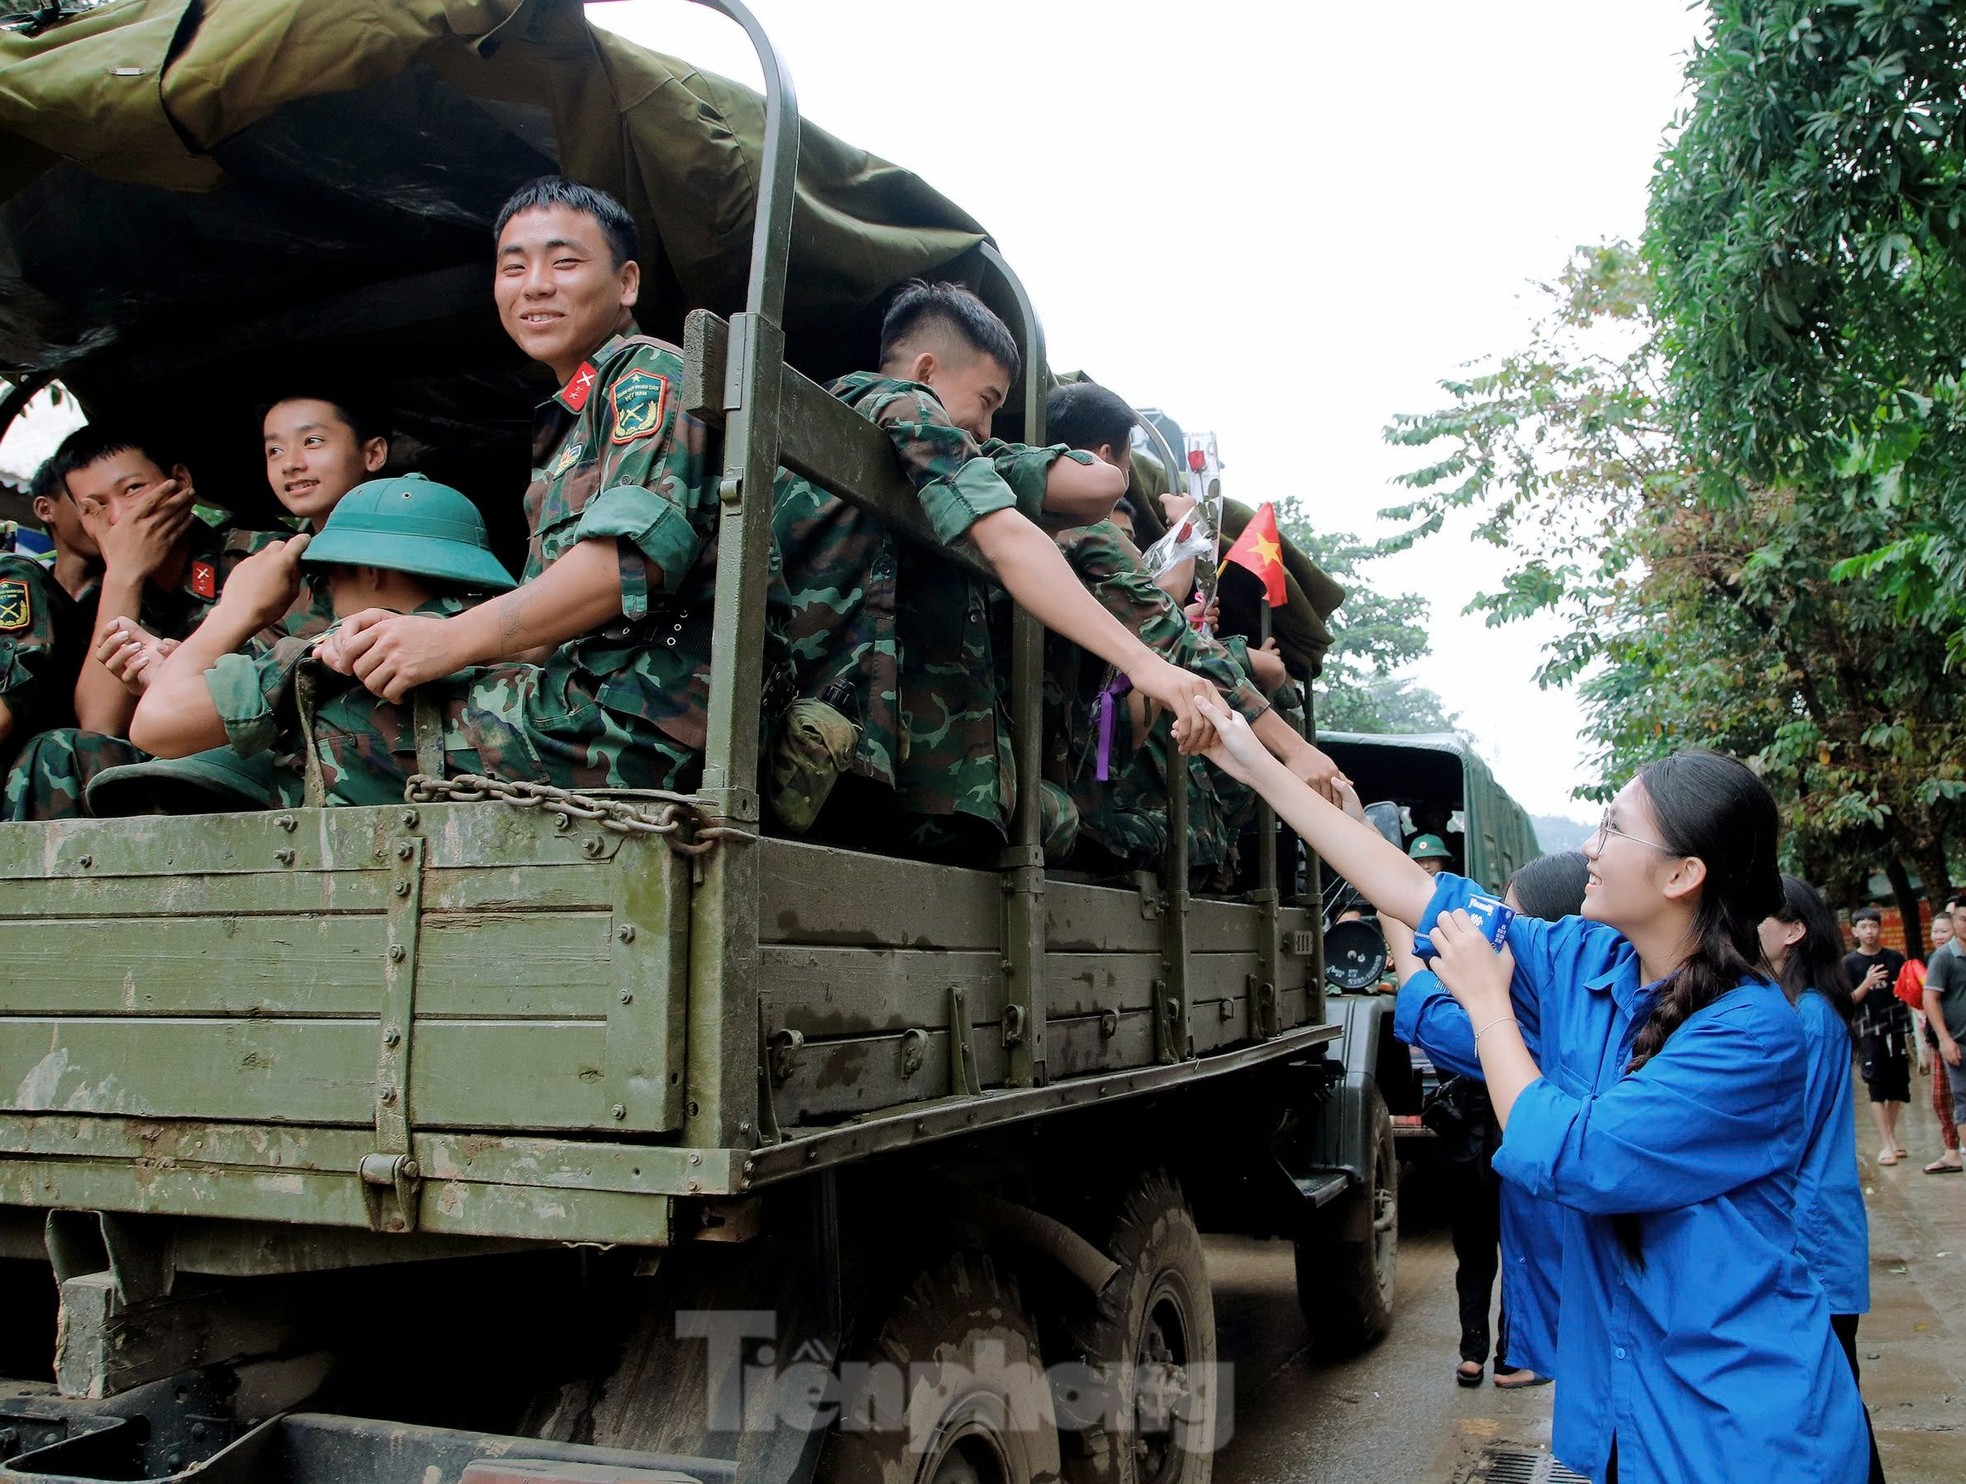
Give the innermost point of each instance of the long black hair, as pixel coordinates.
(1551, 886)
(1714, 808)
(1815, 960)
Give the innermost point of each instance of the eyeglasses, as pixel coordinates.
(1605, 827)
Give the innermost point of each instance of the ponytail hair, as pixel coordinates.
(1713, 808)
(1815, 961)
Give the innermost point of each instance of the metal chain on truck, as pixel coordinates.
(679, 819)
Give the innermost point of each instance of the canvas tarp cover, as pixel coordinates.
(197, 197)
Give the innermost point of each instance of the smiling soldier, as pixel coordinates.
(606, 644)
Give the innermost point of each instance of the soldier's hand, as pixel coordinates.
(1312, 766)
(392, 653)
(1200, 617)
(1267, 668)
(1175, 507)
(1174, 689)
(132, 654)
(135, 544)
(263, 586)
(1233, 747)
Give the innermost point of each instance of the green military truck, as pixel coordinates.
(509, 1134)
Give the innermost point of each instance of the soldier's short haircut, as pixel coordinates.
(1866, 914)
(93, 441)
(921, 304)
(365, 415)
(1083, 414)
(556, 190)
(49, 481)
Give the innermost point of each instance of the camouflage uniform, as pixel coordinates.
(44, 637)
(918, 654)
(53, 769)
(367, 746)
(1127, 816)
(615, 459)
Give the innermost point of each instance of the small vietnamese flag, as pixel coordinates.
(1260, 550)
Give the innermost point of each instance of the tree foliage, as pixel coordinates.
(1688, 620)
(1373, 635)
(1806, 228)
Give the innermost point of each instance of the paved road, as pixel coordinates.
(1395, 1416)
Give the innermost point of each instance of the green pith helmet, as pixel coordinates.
(216, 782)
(414, 525)
(1429, 848)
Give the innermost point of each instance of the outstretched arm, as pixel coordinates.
(177, 715)
(1033, 571)
(1379, 870)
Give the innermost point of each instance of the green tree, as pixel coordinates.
(1373, 635)
(1806, 227)
(1688, 620)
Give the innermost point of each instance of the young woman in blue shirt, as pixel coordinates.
(1662, 1108)
(1804, 946)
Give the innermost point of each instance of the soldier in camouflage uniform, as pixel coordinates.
(912, 637)
(47, 613)
(605, 647)
(1090, 726)
(405, 544)
(163, 569)
(319, 443)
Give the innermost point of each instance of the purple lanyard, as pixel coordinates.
(1118, 686)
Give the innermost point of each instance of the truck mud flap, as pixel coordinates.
(1335, 1157)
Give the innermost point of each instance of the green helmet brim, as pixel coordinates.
(436, 557)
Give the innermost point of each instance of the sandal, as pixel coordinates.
(1940, 1167)
(1468, 1378)
(1887, 1156)
(1517, 1380)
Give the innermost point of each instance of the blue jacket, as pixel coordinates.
(1427, 1016)
(1831, 1223)
(1712, 1357)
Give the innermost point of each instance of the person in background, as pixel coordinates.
(1801, 942)
(1882, 1029)
(1430, 853)
(1945, 1009)
(1530, 1231)
(1911, 989)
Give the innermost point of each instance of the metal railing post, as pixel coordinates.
(1022, 864)
(724, 1054)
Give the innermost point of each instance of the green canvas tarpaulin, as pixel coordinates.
(202, 201)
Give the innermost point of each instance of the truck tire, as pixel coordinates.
(1148, 1347)
(1345, 1279)
(951, 1391)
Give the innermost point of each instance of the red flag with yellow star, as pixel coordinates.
(1260, 550)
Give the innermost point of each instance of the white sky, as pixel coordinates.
(1281, 223)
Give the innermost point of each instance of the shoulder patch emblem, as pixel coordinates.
(16, 605)
(638, 401)
(569, 456)
(204, 579)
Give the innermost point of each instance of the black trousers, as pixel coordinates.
(1845, 1326)
(1476, 1221)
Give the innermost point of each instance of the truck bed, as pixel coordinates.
(472, 1020)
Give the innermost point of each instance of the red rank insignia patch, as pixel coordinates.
(639, 399)
(579, 388)
(204, 579)
(16, 605)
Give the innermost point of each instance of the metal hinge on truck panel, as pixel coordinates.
(390, 1176)
(963, 1081)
